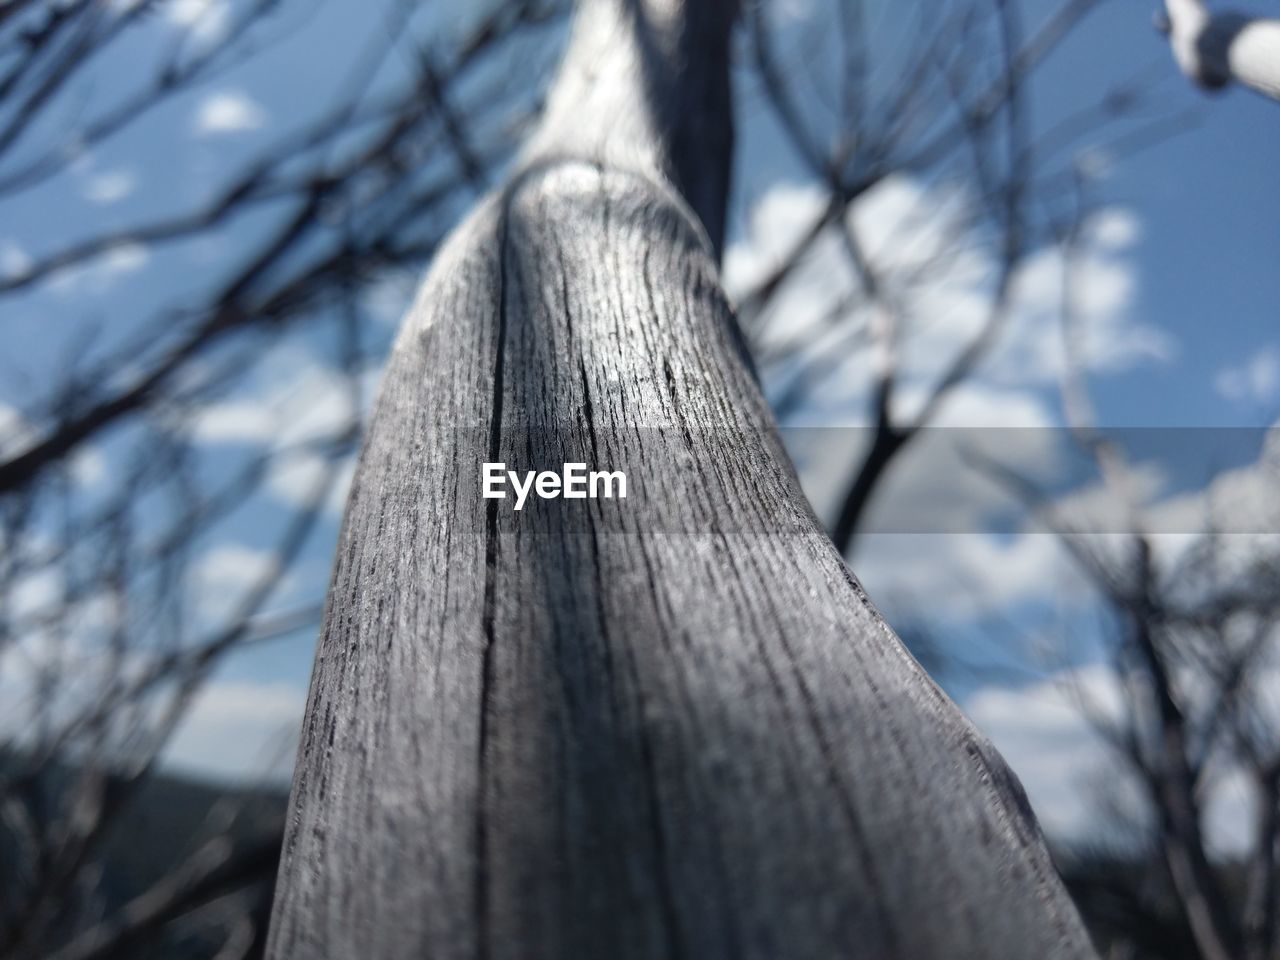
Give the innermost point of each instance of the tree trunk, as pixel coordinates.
(663, 726)
(1215, 49)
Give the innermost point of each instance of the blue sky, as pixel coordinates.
(1183, 265)
(1209, 202)
(1207, 199)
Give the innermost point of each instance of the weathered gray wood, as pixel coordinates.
(668, 726)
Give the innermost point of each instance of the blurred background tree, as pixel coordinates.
(213, 213)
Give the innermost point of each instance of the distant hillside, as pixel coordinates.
(1122, 901)
(153, 834)
(1130, 907)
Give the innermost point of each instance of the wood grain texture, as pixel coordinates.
(670, 726)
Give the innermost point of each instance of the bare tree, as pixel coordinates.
(1216, 49)
(114, 655)
(1190, 634)
(958, 116)
(1190, 642)
(671, 726)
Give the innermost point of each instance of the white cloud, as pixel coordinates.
(938, 273)
(238, 421)
(234, 566)
(228, 111)
(35, 594)
(244, 730)
(1059, 757)
(124, 258)
(100, 274)
(1104, 285)
(793, 11)
(776, 223)
(965, 570)
(110, 186)
(296, 480)
(88, 467)
(232, 730)
(15, 431)
(389, 297)
(1255, 382)
(206, 21)
(1240, 501)
(1073, 777)
(1095, 163)
(1115, 229)
(307, 402)
(1240, 504)
(927, 531)
(1046, 740)
(15, 262)
(959, 577)
(1097, 508)
(239, 731)
(1230, 813)
(56, 661)
(223, 575)
(932, 486)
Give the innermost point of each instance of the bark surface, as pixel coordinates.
(670, 726)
